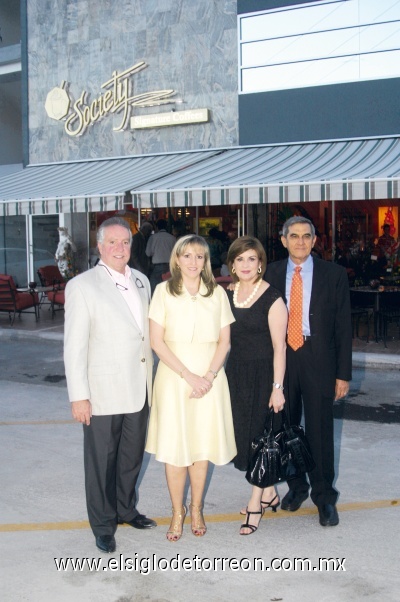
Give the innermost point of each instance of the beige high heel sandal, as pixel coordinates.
(175, 530)
(198, 526)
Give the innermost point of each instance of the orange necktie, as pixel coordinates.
(295, 325)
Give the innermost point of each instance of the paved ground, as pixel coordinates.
(43, 515)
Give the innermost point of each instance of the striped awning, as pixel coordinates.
(281, 173)
(277, 173)
(84, 186)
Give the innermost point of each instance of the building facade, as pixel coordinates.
(233, 113)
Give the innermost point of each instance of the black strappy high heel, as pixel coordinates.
(246, 525)
(266, 505)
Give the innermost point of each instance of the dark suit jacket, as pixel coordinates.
(138, 259)
(330, 318)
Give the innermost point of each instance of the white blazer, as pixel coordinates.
(108, 358)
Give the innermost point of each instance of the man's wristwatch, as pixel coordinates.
(277, 386)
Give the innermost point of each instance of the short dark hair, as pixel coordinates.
(162, 224)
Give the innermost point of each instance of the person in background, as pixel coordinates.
(108, 366)
(256, 363)
(318, 357)
(179, 229)
(159, 247)
(191, 418)
(216, 248)
(225, 240)
(386, 240)
(138, 258)
(224, 266)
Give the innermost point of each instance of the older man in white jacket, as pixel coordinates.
(108, 365)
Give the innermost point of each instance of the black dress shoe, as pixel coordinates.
(139, 522)
(293, 500)
(328, 515)
(106, 543)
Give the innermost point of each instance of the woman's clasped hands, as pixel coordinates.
(200, 385)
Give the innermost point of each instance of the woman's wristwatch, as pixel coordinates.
(277, 386)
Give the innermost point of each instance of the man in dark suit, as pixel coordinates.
(138, 259)
(318, 372)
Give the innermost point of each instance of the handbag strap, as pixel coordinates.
(269, 423)
(285, 423)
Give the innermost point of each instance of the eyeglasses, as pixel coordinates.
(119, 286)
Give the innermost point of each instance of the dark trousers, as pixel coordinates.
(113, 453)
(304, 394)
(156, 274)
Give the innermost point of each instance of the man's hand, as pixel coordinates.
(82, 411)
(341, 388)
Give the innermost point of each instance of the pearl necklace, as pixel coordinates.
(249, 298)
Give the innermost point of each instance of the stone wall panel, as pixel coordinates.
(189, 45)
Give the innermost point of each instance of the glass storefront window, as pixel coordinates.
(20, 259)
(45, 239)
(363, 236)
(13, 253)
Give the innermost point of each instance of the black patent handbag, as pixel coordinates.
(279, 456)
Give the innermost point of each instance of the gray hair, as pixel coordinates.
(146, 227)
(112, 221)
(297, 219)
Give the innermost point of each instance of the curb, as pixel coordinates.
(28, 334)
(360, 360)
(376, 360)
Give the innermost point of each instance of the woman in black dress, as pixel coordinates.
(257, 360)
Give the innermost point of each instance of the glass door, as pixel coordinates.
(43, 243)
(13, 253)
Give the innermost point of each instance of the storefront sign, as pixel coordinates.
(157, 120)
(117, 98)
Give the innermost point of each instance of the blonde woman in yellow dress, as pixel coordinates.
(191, 419)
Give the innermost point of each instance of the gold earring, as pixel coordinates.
(259, 270)
(233, 271)
(178, 266)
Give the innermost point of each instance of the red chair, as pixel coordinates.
(224, 281)
(50, 275)
(12, 300)
(56, 297)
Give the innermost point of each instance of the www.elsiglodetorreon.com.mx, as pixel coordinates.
(153, 563)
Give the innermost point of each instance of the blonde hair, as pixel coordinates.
(241, 245)
(174, 284)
